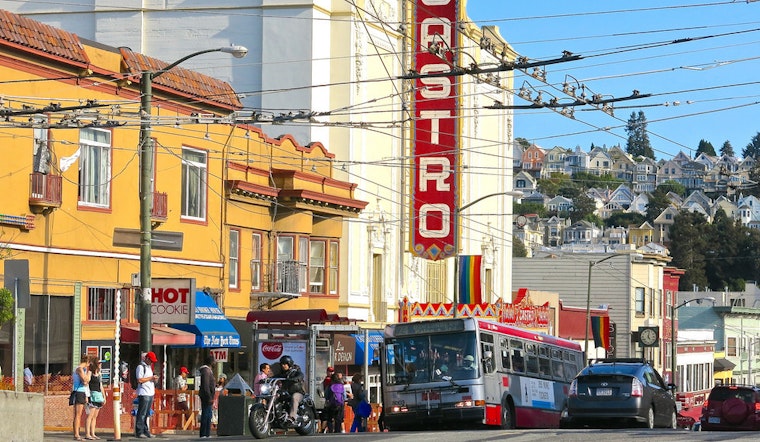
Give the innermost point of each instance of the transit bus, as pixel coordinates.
(470, 371)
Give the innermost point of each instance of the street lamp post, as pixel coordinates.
(457, 211)
(673, 346)
(146, 186)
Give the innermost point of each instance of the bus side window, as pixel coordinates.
(557, 370)
(518, 362)
(544, 367)
(532, 366)
(505, 365)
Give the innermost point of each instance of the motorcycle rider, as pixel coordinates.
(293, 384)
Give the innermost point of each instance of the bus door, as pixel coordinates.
(491, 377)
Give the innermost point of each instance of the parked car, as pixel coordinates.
(615, 391)
(731, 407)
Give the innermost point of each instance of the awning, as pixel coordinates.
(723, 364)
(375, 338)
(310, 316)
(162, 335)
(211, 329)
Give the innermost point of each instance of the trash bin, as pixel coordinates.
(234, 407)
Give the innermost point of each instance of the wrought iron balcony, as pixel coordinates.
(44, 192)
(282, 282)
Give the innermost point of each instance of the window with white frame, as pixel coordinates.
(94, 167)
(317, 252)
(640, 301)
(334, 261)
(100, 304)
(194, 169)
(287, 273)
(234, 258)
(303, 261)
(256, 261)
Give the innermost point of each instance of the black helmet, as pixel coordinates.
(286, 360)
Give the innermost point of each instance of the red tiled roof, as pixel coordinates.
(182, 80)
(22, 32)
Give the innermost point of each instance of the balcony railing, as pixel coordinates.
(160, 207)
(44, 192)
(282, 282)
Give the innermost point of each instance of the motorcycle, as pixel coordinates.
(272, 410)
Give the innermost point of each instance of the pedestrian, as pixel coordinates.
(358, 404)
(325, 414)
(180, 385)
(336, 403)
(80, 381)
(97, 398)
(265, 370)
(206, 393)
(294, 385)
(218, 391)
(146, 390)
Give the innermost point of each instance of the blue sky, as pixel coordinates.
(627, 46)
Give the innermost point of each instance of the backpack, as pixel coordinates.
(335, 398)
(133, 376)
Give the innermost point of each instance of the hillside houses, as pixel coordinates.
(704, 177)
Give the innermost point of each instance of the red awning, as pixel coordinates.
(313, 316)
(162, 335)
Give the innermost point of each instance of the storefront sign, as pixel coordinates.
(172, 300)
(271, 352)
(219, 354)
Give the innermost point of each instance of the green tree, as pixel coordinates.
(550, 186)
(587, 180)
(658, 201)
(638, 139)
(688, 246)
(673, 186)
(624, 219)
(6, 306)
(528, 208)
(727, 149)
(522, 142)
(754, 177)
(518, 248)
(583, 206)
(705, 147)
(721, 255)
(753, 148)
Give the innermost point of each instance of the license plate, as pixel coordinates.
(713, 420)
(604, 392)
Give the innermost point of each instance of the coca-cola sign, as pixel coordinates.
(271, 350)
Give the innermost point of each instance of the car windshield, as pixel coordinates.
(432, 358)
(626, 369)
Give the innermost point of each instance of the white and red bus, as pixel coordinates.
(517, 379)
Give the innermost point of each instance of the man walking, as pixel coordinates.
(206, 393)
(180, 384)
(146, 389)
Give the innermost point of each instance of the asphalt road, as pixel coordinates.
(585, 435)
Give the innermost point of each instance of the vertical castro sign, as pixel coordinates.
(435, 141)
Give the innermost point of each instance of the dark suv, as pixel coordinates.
(614, 391)
(731, 407)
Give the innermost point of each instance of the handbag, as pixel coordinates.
(364, 409)
(97, 397)
(73, 397)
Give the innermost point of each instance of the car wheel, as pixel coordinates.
(673, 420)
(650, 418)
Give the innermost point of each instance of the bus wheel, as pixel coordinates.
(507, 416)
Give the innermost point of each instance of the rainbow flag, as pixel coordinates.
(600, 328)
(469, 279)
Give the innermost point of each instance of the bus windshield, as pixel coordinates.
(419, 359)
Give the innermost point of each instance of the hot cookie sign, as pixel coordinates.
(172, 300)
(435, 148)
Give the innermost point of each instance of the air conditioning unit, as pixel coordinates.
(323, 344)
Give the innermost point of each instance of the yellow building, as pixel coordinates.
(228, 200)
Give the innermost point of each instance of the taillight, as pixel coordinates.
(573, 392)
(757, 407)
(704, 404)
(637, 389)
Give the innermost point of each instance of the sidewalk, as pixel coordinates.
(179, 436)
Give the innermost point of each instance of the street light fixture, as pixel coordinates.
(591, 265)
(146, 185)
(673, 345)
(457, 212)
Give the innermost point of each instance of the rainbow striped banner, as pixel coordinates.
(600, 328)
(470, 279)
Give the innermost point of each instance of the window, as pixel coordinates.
(303, 263)
(640, 301)
(194, 184)
(234, 258)
(731, 347)
(94, 167)
(100, 304)
(334, 262)
(256, 262)
(317, 266)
